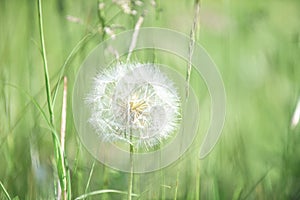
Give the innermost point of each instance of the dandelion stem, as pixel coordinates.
(130, 181)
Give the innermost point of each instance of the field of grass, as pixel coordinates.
(256, 46)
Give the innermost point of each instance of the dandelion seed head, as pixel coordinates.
(134, 103)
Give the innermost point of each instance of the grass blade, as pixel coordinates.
(59, 156)
(103, 192)
(45, 63)
(4, 191)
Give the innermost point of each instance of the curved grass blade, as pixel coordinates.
(59, 155)
(4, 191)
(103, 192)
(37, 105)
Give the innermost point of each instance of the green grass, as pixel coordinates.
(255, 44)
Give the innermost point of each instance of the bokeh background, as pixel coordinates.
(256, 46)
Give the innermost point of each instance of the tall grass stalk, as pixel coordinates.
(193, 33)
(60, 161)
(63, 134)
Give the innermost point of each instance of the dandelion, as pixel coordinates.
(134, 103)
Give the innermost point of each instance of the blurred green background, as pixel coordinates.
(256, 46)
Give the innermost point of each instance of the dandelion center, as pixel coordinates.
(137, 107)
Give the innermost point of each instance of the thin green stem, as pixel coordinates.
(177, 184)
(193, 33)
(4, 191)
(60, 160)
(198, 180)
(45, 63)
(130, 181)
(90, 177)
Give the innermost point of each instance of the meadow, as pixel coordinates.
(256, 47)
